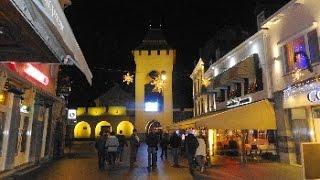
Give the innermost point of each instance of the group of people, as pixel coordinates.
(195, 148)
(110, 147)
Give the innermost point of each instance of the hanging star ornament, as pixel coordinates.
(128, 78)
(158, 84)
(297, 74)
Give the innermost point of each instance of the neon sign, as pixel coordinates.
(238, 102)
(36, 74)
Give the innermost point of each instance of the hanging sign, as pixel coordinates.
(238, 102)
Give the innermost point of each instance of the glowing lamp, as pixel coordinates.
(151, 106)
(2, 98)
(36, 74)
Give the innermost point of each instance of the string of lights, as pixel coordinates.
(301, 87)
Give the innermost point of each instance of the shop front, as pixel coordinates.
(245, 131)
(301, 102)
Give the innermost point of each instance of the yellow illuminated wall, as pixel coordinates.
(81, 111)
(117, 110)
(98, 127)
(96, 111)
(82, 130)
(212, 141)
(145, 63)
(126, 127)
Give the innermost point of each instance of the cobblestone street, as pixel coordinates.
(81, 163)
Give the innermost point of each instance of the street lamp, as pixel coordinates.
(163, 76)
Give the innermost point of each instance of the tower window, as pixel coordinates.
(149, 52)
(158, 52)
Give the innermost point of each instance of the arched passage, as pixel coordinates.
(153, 124)
(102, 124)
(82, 130)
(126, 127)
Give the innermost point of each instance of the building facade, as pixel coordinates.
(114, 110)
(294, 56)
(154, 60)
(35, 38)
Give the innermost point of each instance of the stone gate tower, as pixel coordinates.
(154, 58)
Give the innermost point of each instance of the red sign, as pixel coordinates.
(36, 74)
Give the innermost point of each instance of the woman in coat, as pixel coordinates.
(112, 144)
(201, 152)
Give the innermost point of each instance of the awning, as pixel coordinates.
(183, 125)
(66, 37)
(258, 115)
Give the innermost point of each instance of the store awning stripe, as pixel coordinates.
(259, 115)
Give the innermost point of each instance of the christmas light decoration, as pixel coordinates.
(297, 74)
(128, 78)
(158, 83)
(302, 88)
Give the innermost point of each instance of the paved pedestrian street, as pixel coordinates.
(81, 163)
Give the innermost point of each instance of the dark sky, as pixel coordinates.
(107, 31)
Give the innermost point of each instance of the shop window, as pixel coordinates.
(2, 122)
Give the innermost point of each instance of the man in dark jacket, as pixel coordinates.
(122, 143)
(175, 143)
(164, 145)
(152, 142)
(191, 147)
(134, 144)
(100, 146)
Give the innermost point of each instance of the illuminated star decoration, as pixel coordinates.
(205, 82)
(158, 84)
(128, 78)
(297, 74)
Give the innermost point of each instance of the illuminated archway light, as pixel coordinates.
(82, 130)
(36, 74)
(126, 127)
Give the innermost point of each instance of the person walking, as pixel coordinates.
(134, 145)
(175, 144)
(122, 143)
(191, 144)
(164, 145)
(112, 144)
(201, 152)
(152, 143)
(100, 147)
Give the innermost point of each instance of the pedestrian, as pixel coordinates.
(112, 144)
(134, 145)
(152, 143)
(175, 144)
(164, 145)
(100, 147)
(122, 143)
(201, 152)
(191, 144)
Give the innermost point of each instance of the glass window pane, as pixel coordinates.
(313, 46)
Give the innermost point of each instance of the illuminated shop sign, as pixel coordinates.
(314, 96)
(238, 102)
(72, 114)
(36, 74)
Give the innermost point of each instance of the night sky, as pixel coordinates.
(108, 30)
